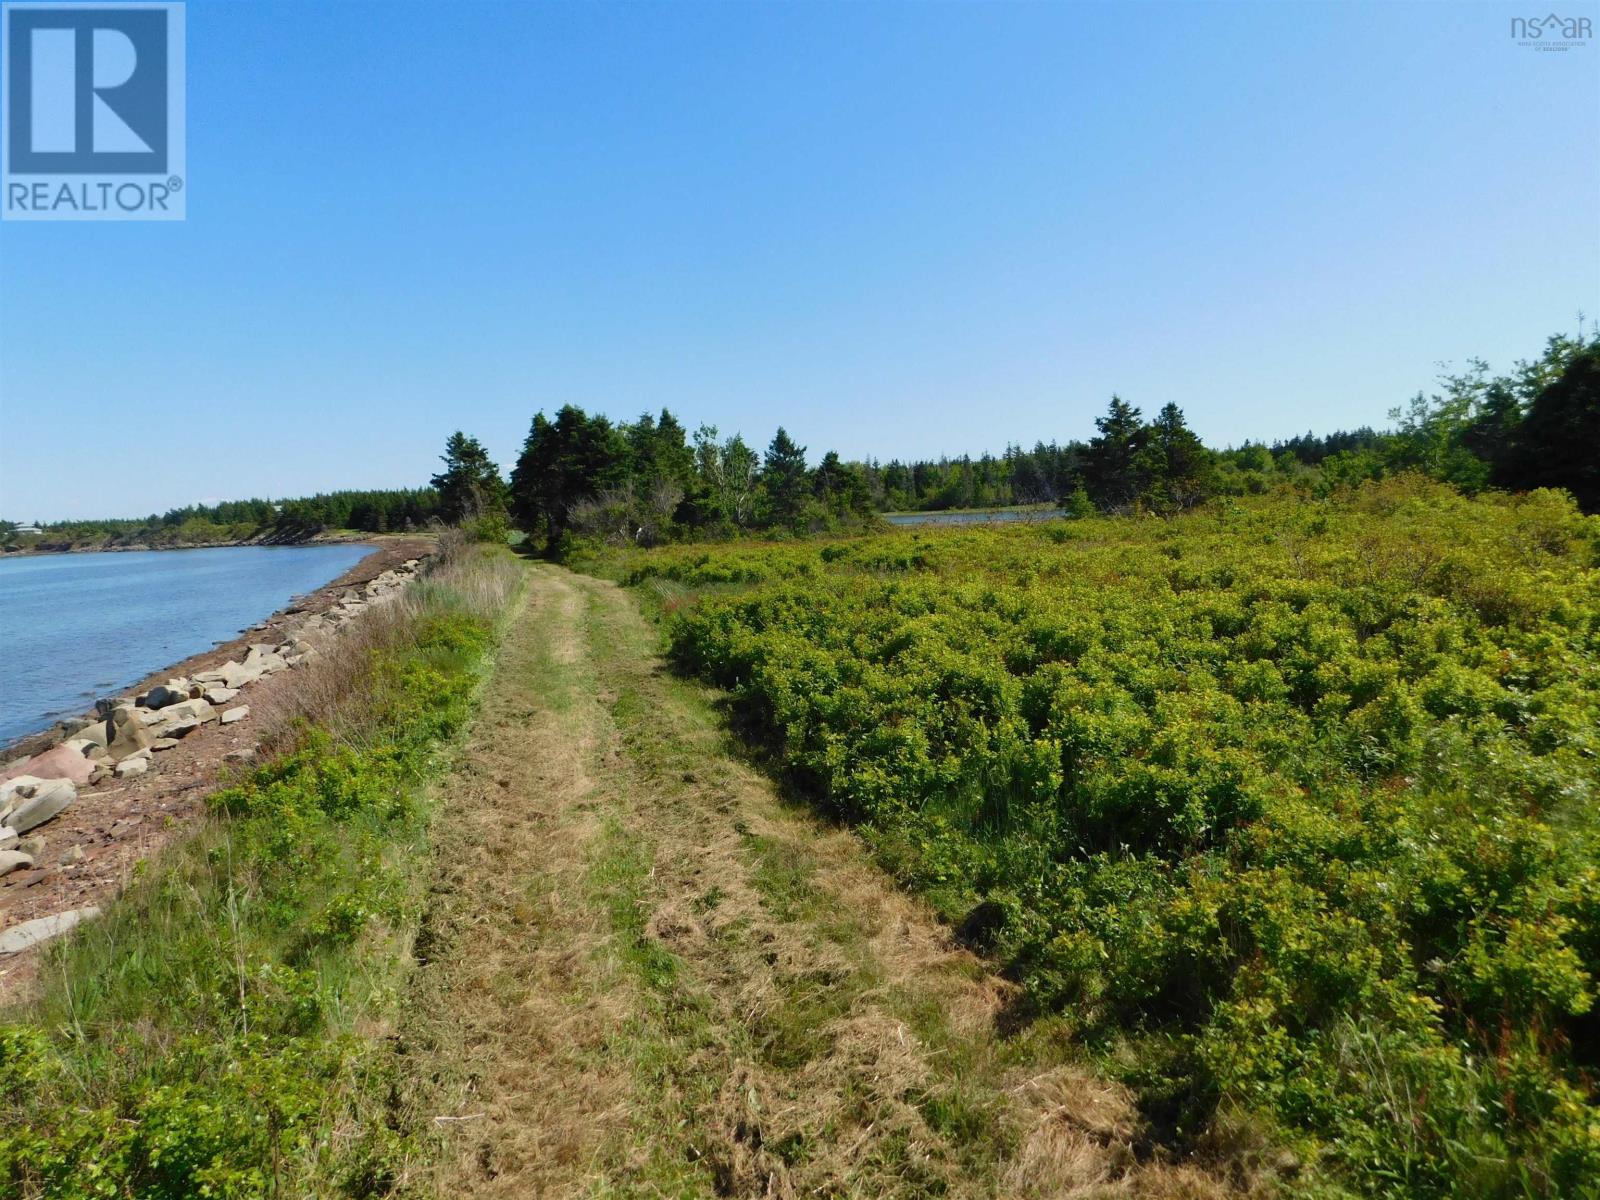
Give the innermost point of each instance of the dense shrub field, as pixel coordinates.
(218, 1032)
(1289, 808)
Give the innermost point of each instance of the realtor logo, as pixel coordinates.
(93, 111)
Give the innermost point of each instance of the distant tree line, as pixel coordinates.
(387, 511)
(650, 480)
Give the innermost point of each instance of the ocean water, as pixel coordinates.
(987, 516)
(75, 627)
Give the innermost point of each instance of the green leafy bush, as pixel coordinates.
(1301, 801)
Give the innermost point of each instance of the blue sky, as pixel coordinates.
(897, 229)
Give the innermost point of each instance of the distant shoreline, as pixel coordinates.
(340, 539)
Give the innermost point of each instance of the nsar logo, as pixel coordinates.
(1551, 32)
(92, 126)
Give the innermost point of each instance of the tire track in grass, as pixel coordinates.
(647, 976)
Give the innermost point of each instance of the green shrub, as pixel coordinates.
(1300, 801)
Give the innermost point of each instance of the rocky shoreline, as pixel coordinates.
(162, 743)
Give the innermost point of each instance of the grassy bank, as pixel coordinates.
(1289, 808)
(218, 1032)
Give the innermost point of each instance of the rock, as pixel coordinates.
(236, 714)
(149, 716)
(72, 857)
(59, 762)
(41, 802)
(93, 732)
(8, 837)
(239, 756)
(219, 695)
(236, 675)
(14, 860)
(173, 691)
(128, 734)
(163, 743)
(33, 846)
(30, 933)
(132, 768)
(86, 747)
(11, 792)
(110, 705)
(179, 720)
(200, 710)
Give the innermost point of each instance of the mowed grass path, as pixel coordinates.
(643, 974)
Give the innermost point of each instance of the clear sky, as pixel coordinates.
(897, 229)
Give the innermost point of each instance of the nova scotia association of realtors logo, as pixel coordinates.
(92, 112)
(1551, 32)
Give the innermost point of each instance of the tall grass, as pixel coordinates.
(215, 1034)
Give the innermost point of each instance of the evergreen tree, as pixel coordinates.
(470, 484)
(1557, 443)
(1113, 481)
(783, 480)
(1174, 467)
(564, 462)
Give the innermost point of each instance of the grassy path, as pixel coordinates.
(644, 975)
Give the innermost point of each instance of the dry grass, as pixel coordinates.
(336, 689)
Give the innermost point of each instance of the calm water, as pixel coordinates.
(974, 518)
(75, 627)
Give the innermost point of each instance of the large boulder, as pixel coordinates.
(263, 660)
(88, 747)
(11, 791)
(99, 733)
(173, 691)
(200, 710)
(58, 762)
(40, 801)
(236, 675)
(180, 720)
(128, 733)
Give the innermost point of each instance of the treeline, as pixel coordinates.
(649, 480)
(1537, 426)
(394, 510)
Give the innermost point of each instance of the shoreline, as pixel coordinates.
(137, 547)
(385, 551)
(90, 850)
